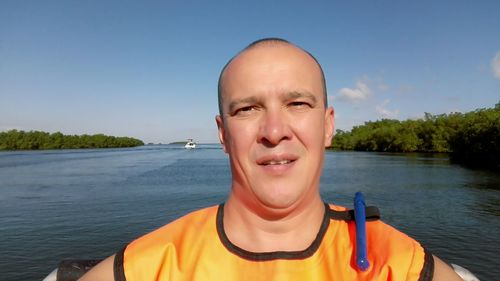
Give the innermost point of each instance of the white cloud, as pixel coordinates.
(383, 112)
(359, 93)
(495, 65)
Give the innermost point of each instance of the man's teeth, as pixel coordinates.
(281, 162)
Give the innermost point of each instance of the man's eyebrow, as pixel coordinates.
(295, 95)
(235, 103)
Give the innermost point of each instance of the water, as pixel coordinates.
(87, 204)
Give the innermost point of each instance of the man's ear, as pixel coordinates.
(329, 125)
(221, 131)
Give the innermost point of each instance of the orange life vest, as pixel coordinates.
(195, 247)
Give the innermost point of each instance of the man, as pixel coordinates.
(274, 124)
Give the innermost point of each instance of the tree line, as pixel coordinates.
(471, 138)
(32, 140)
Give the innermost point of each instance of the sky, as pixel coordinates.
(149, 69)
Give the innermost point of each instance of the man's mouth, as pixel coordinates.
(277, 162)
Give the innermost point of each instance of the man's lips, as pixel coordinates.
(280, 162)
(282, 159)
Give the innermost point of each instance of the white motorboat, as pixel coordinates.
(190, 144)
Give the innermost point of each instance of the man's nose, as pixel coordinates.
(274, 128)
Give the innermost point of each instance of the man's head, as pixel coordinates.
(274, 125)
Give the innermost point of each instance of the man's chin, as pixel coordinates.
(277, 207)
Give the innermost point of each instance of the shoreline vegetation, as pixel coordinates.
(38, 140)
(471, 139)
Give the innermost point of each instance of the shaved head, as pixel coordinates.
(269, 43)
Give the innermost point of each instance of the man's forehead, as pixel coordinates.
(267, 57)
(271, 53)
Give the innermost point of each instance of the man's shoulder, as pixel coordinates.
(376, 228)
(386, 245)
(192, 219)
(195, 217)
(174, 241)
(180, 228)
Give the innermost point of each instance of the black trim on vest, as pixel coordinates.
(118, 270)
(267, 256)
(372, 214)
(427, 272)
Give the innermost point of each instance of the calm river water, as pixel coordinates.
(86, 204)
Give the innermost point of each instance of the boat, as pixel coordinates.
(190, 144)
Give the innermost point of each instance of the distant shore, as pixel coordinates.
(471, 139)
(38, 140)
(178, 142)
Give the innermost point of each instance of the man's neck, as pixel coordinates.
(291, 230)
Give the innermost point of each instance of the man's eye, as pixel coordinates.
(299, 104)
(244, 110)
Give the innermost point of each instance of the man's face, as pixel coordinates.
(275, 126)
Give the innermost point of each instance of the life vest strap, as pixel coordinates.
(372, 214)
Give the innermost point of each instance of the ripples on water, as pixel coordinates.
(82, 204)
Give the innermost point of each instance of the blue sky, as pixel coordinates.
(149, 69)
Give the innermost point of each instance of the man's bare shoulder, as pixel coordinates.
(444, 272)
(101, 272)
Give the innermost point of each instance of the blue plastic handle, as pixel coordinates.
(360, 217)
